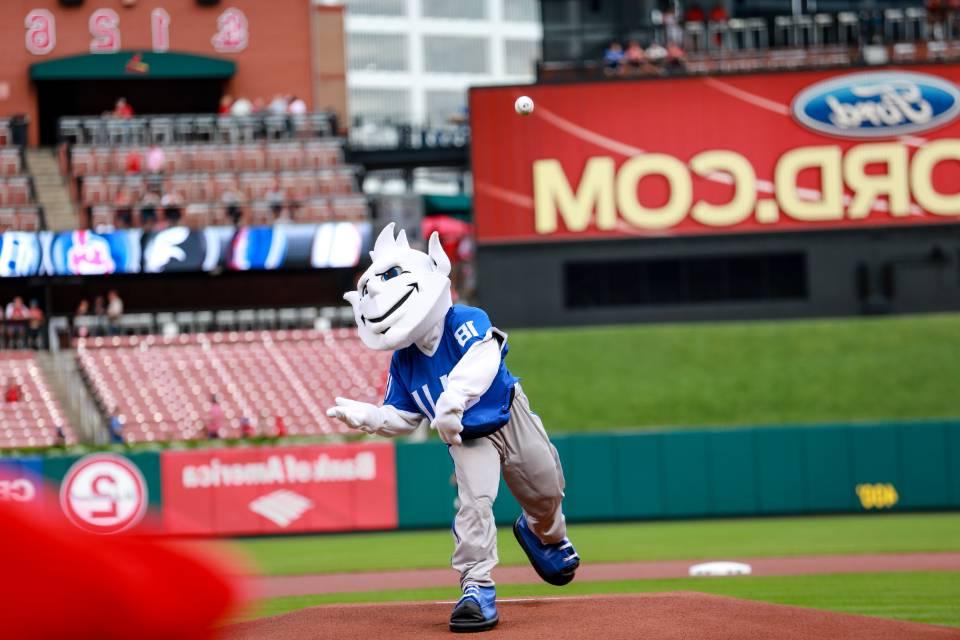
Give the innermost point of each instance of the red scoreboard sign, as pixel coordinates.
(707, 155)
(267, 490)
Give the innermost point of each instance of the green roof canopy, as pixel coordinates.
(126, 65)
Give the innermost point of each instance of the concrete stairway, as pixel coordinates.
(53, 193)
(62, 372)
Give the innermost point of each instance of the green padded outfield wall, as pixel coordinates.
(723, 472)
(148, 462)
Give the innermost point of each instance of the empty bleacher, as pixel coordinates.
(107, 158)
(162, 386)
(18, 211)
(34, 420)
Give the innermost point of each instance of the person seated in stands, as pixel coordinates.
(636, 59)
(100, 313)
(718, 13)
(657, 57)
(83, 310)
(116, 426)
(278, 105)
(241, 107)
(122, 109)
(215, 418)
(275, 200)
(13, 392)
(35, 326)
(132, 162)
(123, 209)
(225, 103)
(676, 58)
(156, 159)
(18, 313)
(232, 201)
(172, 208)
(247, 430)
(114, 311)
(148, 208)
(694, 13)
(613, 59)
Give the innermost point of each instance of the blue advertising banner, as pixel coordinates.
(182, 249)
(21, 481)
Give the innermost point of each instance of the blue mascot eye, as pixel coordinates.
(389, 274)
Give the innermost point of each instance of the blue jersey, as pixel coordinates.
(416, 380)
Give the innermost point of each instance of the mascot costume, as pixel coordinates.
(448, 368)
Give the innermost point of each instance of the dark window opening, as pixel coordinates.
(677, 281)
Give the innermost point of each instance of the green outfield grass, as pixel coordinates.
(919, 597)
(676, 540)
(746, 373)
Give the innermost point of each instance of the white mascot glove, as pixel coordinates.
(357, 415)
(449, 415)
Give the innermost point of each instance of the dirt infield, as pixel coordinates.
(280, 586)
(667, 616)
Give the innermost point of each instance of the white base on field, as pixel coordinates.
(721, 569)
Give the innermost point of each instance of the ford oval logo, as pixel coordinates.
(877, 104)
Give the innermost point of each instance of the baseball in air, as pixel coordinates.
(523, 105)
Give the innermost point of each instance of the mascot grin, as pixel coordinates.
(402, 294)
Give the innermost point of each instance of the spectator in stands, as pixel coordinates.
(156, 159)
(132, 162)
(123, 209)
(636, 59)
(172, 207)
(215, 418)
(122, 109)
(278, 105)
(114, 311)
(657, 56)
(694, 13)
(718, 13)
(297, 106)
(16, 310)
(116, 426)
(82, 313)
(241, 107)
(35, 326)
(100, 313)
(676, 58)
(225, 103)
(259, 106)
(148, 209)
(13, 393)
(232, 201)
(279, 428)
(613, 59)
(247, 430)
(18, 314)
(275, 199)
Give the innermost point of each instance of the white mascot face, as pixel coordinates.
(403, 294)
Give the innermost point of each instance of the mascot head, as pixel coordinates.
(403, 294)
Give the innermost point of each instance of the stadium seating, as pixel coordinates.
(18, 212)
(34, 420)
(162, 386)
(316, 185)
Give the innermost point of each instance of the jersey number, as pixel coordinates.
(464, 332)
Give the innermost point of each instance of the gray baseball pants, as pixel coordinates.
(531, 469)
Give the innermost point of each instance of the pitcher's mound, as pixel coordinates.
(661, 616)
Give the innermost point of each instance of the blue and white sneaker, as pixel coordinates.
(556, 563)
(476, 610)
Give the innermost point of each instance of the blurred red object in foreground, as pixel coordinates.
(59, 582)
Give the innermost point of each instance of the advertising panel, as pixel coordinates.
(21, 482)
(181, 249)
(270, 490)
(707, 155)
